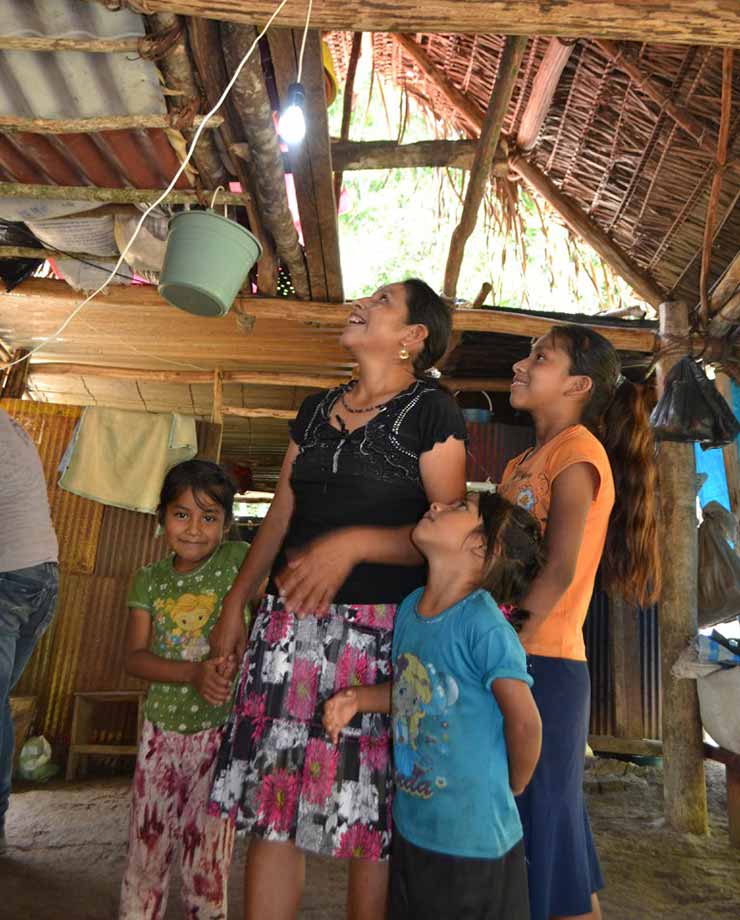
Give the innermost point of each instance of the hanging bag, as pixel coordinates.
(719, 567)
(691, 409)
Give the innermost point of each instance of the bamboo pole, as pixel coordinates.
(85, 45)
(684, 791)
(113, 195)
(12, 123)
(589, 231)
(349, 88)
(480, 172)
(543, 90)
(287, 414)
(217, 415)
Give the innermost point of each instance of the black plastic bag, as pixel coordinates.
(691, 409)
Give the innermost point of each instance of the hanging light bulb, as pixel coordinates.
(292, 123)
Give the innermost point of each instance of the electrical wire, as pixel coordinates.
(173, 182)
(303, 42)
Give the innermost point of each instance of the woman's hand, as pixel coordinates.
(339, 712)
(313, 576)
(228, 638)
(210, 683)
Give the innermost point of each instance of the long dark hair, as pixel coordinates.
(514, 553)
(428, 309)
(617, 413)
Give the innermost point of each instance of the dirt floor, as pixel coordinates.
(67, 846)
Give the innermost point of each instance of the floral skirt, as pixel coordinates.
(278, 775)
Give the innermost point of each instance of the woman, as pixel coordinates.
(364, 462)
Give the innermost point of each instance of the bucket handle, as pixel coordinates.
(483, 393)
(221, 188)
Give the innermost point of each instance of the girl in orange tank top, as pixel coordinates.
(590, 481)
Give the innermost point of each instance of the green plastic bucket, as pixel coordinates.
(206, 262)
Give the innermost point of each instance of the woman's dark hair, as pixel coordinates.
(428, 309)
(204, 478)
(514, 553)
(617, 413)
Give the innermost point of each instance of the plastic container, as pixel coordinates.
(207, 260)
(479, 416)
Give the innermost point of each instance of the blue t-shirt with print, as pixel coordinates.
(449, 750)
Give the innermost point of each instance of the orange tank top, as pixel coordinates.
(527, 481)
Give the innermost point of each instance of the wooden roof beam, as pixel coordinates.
(543, 90)
(57, 299)
(724, 301)
(480, 172)
(252, 108)
(208, 60)
(311, 161)
(688, 22)
(13, 124)
(46, 370)
(177, 69)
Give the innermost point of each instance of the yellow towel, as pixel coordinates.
(120, 458)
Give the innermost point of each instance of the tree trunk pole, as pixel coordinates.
(484, 154)
(684, 789)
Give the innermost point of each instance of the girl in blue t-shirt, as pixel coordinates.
(466, 731)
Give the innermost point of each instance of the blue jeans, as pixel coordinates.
(28, 598)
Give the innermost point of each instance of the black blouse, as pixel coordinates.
(367, 477)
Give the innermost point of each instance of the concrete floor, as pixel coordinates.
(68, 847)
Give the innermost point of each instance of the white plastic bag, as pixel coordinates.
(719, 695)
(34, 762)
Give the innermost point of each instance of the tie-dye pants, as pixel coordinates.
(171, 786)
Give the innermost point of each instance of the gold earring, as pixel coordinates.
(403, 354)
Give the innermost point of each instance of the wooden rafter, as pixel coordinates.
(543, 90)
(480, 172)
(177, 69)
(12, 124)
(208, 59)
(252, 108)
(349, 89)
(58, 298)
(709, 22)
(53, 369)
(724, 301)
(311, 161)
(114, 195)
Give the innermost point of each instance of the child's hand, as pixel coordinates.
(227, 667)
(339, 711)
(210, 683)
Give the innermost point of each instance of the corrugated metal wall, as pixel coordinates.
(100, 549)
(490, 447)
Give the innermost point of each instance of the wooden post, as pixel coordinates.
(684, 790)
(16, 378)
(349, 89)
(217, 415)
(624, 647)
(484, 153)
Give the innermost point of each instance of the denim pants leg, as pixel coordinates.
(27, 601)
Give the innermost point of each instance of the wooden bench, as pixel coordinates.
(732, 774)
(80, 743)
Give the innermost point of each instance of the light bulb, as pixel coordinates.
(292, 122)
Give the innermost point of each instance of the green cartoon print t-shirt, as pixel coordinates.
(184, 608)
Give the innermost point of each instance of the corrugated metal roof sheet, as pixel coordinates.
(69, 84)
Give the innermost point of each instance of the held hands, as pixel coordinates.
(229, 636)
(313, 576)
(339, 712)
(213, 679)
